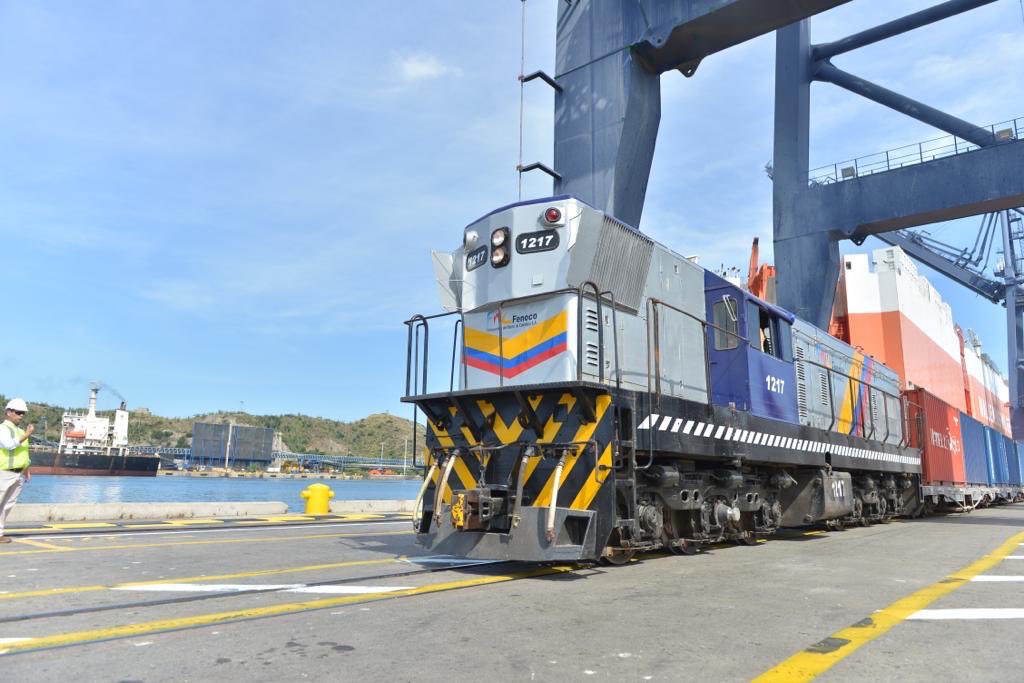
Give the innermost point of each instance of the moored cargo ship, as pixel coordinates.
(49, 461)
(93, 445)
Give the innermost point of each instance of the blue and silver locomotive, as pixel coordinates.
(608, 395)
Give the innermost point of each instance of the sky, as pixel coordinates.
(231, 205)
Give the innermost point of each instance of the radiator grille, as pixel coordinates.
(621, 263)
(801, 384)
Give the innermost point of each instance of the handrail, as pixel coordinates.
(831, 392)
(653, 323)
(412, 361)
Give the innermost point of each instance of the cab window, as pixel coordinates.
(768, 333)
(726, 326)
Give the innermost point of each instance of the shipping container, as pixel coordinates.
(935, 430)
(975, 452)
(995, 451)
(1012, 460)
(1020, 459)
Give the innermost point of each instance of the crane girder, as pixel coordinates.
(609, 57)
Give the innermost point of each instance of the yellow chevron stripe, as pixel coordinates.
(442, 437)
(506, 433)
(582, 434)
(594, 482)
(550, 431)
(515, 345)
(464, 475)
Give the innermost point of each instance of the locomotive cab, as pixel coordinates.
(750, 352)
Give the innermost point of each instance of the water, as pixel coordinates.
(46, 488)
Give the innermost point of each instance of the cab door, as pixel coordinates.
(771, 376)
(727, 356)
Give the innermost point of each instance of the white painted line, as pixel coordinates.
(240, 587)
(675, 425)
(721, 428)
(347, 590)
(446, 560)
(207, 587)
(728, 434)
(665, 423)
(653, 417)
(996, 578)
(688, 427)
(5, 641)
(1014, 557)
(968, 613)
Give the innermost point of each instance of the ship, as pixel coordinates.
(94, 445)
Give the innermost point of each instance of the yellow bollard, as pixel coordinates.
(317, 498)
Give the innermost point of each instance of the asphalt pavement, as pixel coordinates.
(354, 598)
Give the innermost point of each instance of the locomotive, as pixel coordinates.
(613, 396)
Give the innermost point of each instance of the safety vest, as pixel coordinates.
(16, 459)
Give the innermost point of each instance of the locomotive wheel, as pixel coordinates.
(617, 556)
(683, 547)
(747, 538)
(614, 554)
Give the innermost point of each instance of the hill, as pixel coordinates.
(299, 433)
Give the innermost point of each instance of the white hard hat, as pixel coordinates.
(17, 404)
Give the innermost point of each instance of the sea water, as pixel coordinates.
(46, 488)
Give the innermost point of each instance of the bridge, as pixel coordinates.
(306, 460)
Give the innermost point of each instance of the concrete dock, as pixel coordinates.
(351, 597)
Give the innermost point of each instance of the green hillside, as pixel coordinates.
(299, 433)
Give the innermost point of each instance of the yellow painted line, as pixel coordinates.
(81, 525)
(41, 544)
(822, 656)
(204, 577)
(186, 522)
(52, 591)
(145, 628)
(213, 542)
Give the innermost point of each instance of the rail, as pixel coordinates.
(911, 155)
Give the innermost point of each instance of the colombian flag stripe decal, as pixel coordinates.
(520, 352)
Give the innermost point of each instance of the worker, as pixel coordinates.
(14, 460)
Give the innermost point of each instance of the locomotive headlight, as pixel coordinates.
(469, 238)
(499, 247)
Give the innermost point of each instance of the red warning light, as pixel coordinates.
(552, 215)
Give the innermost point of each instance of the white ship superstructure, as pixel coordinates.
(894, 313)
(89, 433)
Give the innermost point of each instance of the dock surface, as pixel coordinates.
(353, 598)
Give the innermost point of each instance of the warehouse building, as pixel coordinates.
(238, 445)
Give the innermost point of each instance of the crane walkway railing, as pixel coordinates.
(911, 155)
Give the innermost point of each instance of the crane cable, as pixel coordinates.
(522, 92)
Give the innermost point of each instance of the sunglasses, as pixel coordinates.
(18, 412)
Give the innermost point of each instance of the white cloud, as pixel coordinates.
(424, 67)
